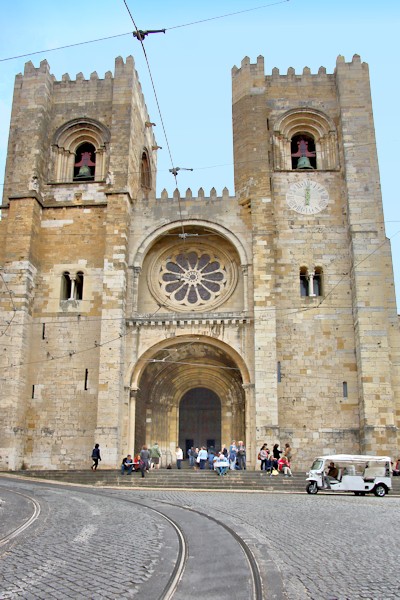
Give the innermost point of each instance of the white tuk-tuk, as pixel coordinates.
(360, 474)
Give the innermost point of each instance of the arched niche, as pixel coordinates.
(312, 125)
(68, 139)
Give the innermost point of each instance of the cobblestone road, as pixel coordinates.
(83, 546)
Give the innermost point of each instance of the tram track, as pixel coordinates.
(180, 574)
(5, 539)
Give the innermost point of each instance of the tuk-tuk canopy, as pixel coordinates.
(354, 458)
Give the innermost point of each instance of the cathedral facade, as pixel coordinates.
(126, 319)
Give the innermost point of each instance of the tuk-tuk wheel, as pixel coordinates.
(312, 488)
(380, 490)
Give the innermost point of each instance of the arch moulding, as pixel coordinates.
(150, 240)
(135, 370)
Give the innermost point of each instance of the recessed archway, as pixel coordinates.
(172, 374)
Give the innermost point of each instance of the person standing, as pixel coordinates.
(232, 455)
(203, 455)
(155, 455)
(241, 455)
(263, 457)
(95, 457)
(179, 457)
(144, 460)
(276, 452)
(288, 452)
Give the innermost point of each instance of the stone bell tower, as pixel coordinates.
(326, 332)
(80, 151)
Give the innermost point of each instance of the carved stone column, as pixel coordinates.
(132, 418)
(249, 389)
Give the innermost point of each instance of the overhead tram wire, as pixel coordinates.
(140, 39)
(110, 37)
(251, 316)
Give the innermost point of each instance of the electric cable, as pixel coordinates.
(110, 37)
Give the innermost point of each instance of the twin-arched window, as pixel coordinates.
(72, 286)
(310, 282)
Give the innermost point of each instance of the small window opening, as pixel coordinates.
(345, 389)
(303, 152)
(304, 281)
(85, 162)
(66, 286)
(145, 178)
(317, 282)
(279, 371)
(33, 391)
(78, 286)
(43, 331)
(86, 379)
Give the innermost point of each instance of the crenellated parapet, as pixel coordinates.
(201, 197)
(250, 77)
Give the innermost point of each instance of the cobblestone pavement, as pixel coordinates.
(320, 547)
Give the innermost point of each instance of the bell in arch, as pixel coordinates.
(303, 153)
(84, 166)
(304, 163)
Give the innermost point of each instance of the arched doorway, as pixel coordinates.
(199, 419)
(171, 378)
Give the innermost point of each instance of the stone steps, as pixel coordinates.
(184, 479)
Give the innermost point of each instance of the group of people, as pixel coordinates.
(277, 461)
(148, 458)
(235, 456)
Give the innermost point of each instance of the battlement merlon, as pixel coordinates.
(251, 78)
(201, 197)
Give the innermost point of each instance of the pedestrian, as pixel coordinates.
(211, 455)
(263, 455)
(190, 456)
(202, 457)
(179, 457)
(288, 452)
(276, 452)
(127, 465)
(155, 455)
(95, 457)
(232, 455)
(195, 458)
(241, 456)
(144, 460)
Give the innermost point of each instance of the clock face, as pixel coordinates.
(307, 197)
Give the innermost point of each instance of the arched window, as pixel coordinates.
(317, 281)
(145, 172)
(304, 281)
(85, 165)
(78, 286)
(306, 136)
(80, 152)
(71, 286)
(66, 286)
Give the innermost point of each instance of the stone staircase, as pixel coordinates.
(184, 479)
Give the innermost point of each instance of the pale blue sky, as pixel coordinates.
(191, 68)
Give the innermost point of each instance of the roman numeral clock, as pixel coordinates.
(307, 197)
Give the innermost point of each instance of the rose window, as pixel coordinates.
(192, 278)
